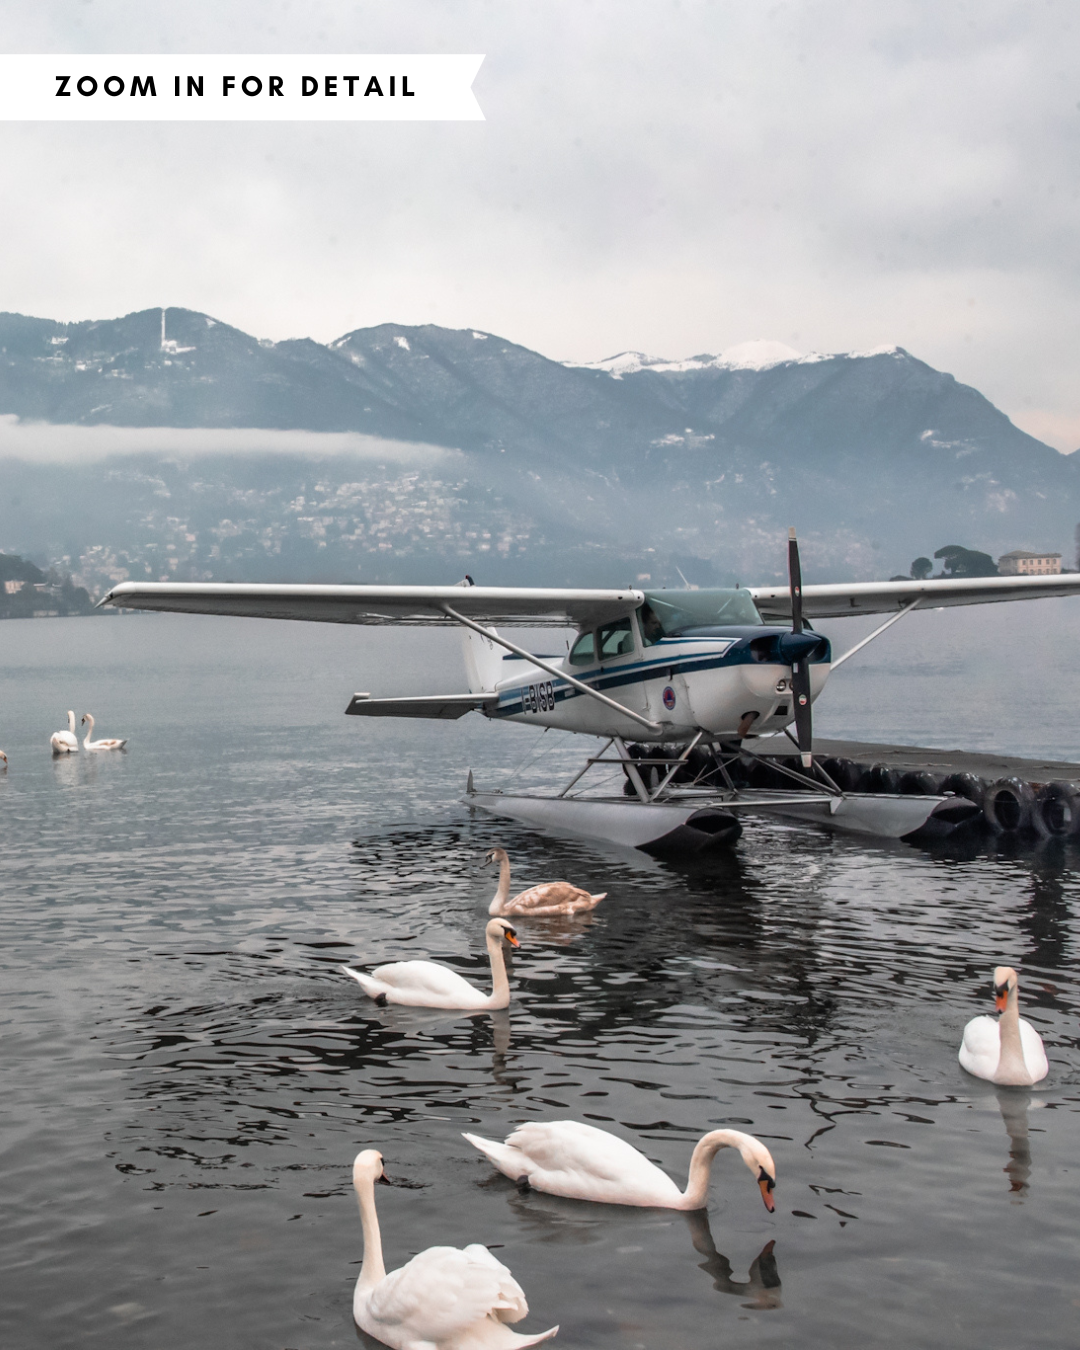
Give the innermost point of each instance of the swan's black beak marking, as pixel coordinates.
(1001, 997)
(766, 1184)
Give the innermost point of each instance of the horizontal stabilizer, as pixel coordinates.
(442, 707)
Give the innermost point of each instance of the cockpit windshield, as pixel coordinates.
(669, 613)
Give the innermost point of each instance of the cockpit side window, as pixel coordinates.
(652, 630)
(615, 639)
(583, 652)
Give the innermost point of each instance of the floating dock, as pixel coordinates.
(922, 759)
(1015, 795)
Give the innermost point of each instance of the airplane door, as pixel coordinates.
(618, 650)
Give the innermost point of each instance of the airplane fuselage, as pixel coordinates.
(686, 684)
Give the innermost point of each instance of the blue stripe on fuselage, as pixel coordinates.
(736, 652)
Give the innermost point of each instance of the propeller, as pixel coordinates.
(796, 648)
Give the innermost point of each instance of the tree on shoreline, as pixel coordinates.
(958, 561)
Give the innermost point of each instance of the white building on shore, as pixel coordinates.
(1021, 563)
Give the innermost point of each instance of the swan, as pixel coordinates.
(427, 984)
(445, 1298)
(1007, 1050)
(65, 742)
(4, 758)
(552, 897)
(88, 744)
(564, 1157)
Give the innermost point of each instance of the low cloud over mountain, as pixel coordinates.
(448, 450)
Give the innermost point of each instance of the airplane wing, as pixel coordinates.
(883, 597)
(535, 607)
(504, 606)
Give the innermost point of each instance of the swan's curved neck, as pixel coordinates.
(89, 729)
(708, 1146)
(372, 1269)
(1011, 1059)
(71, 723)
(500, 982)
(503, 893)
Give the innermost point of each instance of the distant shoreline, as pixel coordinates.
(55, 614)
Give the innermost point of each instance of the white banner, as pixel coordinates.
(262, 88)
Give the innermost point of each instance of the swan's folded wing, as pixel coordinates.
(443, 1291)
(547, 894)
(569, 1148)
(530, 606)
(512, 1306)
(423, 977)
(980, 1049)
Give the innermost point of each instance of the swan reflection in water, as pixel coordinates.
(501, 1058)
(763, 1285)
(1014, 1104)
(556, 1218)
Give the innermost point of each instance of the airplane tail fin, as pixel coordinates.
(483, 661)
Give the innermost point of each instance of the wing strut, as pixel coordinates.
(800, 665)
(551, 670)
(912, 604)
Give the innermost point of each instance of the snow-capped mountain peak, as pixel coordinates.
(757, 354)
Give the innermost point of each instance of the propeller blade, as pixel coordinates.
(800, 669)
(804, 730)
(795, 582)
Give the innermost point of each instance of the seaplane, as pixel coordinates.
(682, 687)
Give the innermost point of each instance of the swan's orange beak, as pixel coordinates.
(766, 1184)
(512, 939)
(1001, 997)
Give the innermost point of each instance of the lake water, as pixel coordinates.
(187, 1076)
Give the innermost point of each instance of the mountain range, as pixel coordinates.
(531, 470)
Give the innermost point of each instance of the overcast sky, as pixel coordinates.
(669, 177)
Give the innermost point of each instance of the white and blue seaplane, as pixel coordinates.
(677, 684)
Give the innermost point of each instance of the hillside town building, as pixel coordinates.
(1021, 563)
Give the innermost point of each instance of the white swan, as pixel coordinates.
(65, 742)
(445, 1298)
(4, 758)
(552, 897)
(564, 1157)
(427, 984)
(88, 744)
(1007, 1050)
